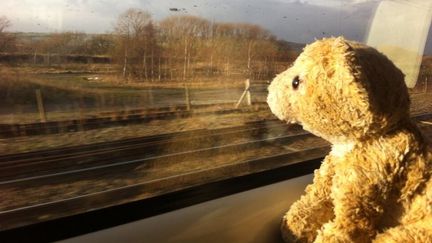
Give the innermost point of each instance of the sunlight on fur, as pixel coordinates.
(375, 184)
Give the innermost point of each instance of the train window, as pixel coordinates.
(105, 103)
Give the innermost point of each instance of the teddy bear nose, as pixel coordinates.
(273, 101)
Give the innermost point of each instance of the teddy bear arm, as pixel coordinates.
(358, 196)
(305, 218)
(312, 210)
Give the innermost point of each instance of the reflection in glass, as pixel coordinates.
(105, 102)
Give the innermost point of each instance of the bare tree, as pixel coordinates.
(4, 23)
(131, 30)
(184, 33)
(7, 41)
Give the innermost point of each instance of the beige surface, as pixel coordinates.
(251, 216)
(399, 30)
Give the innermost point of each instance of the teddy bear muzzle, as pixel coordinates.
(279, 103)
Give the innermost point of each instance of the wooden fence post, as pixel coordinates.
(187, 97)
(246, 93)
(40, 104)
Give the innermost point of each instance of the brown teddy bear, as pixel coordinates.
(375, 185)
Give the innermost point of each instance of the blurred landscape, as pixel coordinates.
(181, 61)
(91, 119)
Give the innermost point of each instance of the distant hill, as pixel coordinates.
(292, 46)
(296, 46)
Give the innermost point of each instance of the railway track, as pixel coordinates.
(132, 141)
(115, 118)
(186, 144)
(100, 175)
(37, 211)
(182, 144)
(145, 164)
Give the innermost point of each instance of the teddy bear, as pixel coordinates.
(375, 184)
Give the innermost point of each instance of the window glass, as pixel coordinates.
(115, 101)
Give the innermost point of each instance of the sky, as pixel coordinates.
(293, 20)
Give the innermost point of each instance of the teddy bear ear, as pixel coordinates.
(343, 60)
(339, 40)
(334, 58)
(346, 72)
(336, 79)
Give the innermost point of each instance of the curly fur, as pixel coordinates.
(376, 183)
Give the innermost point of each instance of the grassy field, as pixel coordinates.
(421, 103)
(73, 93)
(79, 95)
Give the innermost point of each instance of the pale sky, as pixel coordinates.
(293, 20)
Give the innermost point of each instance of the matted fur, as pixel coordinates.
(376, 183)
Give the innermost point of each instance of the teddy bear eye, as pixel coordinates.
(295, 82)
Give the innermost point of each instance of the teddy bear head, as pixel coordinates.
(341, 91)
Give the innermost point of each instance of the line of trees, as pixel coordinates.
(175, 48)
(183, 47)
